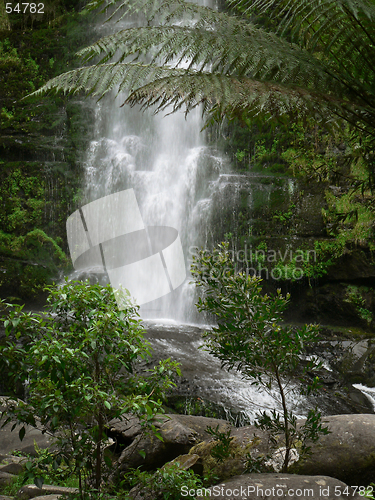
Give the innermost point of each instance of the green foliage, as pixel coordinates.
(354, 295)
(311, 264)
(350, 217)
(313, 153)
(13, 487)
(31, 262)
(240, 155)
(49, 469)
(36, 194)
(256, 465)
(302, 436)
(24, 201)
(166, 483)
(78, 361)
(285, 216)
(7, 115)
(251, 339)
(36, 244)
(221, 450)
(263, 154)
(11, 63)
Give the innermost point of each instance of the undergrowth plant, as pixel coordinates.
(170, 482)
(221, 450)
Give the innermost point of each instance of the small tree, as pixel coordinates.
(77, 364)
(250, 339)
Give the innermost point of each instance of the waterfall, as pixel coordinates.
(165, 160)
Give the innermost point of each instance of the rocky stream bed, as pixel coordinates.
(206, 389)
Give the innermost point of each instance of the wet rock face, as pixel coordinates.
(356, 364)
(358, 265)
(42, 144)
(285, 215)
(336, 303)
(206, 389)
(350, 362)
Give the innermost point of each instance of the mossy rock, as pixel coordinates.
(247, 443)
(179, 433)
(347, 453)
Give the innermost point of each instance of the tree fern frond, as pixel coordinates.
(230, 96)
(340, 34)
(232, 49)
(98, 80)
(317, 23)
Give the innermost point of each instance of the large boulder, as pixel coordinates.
(32, 491)
(10, 441)
(276, 486)
(5, 478)
(12, 464)
(9, 434)
(247, 444)
(347, 453)
(179, 433)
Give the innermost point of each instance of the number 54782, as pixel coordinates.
(22, 8)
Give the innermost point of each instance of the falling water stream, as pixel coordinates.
(165, 160)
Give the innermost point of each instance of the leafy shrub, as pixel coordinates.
(250, 338)
(77, 363)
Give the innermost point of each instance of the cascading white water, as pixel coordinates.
(164, 159)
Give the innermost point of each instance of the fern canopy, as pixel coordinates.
(279, 58)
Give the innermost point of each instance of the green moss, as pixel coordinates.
(29, 263)
(36, 244)
(352, 333)
(23, 196)
(231, 466)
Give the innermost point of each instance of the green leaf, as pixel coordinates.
(159, 436)
(22, 433)
(38, 481)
